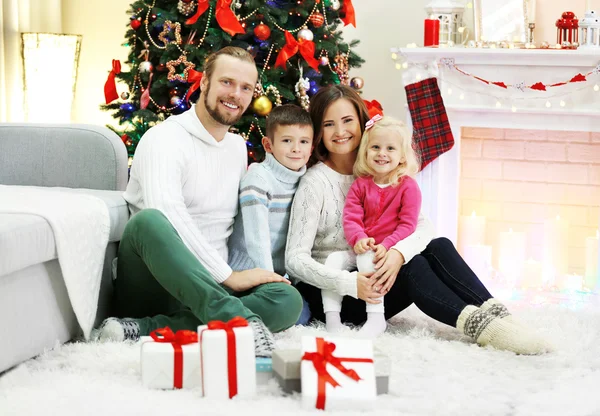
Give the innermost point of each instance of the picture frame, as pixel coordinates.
(496, 21)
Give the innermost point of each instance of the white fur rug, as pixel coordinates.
(435, 372)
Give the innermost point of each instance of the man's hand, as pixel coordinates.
(364, 288)
(380, 251)
(247, 279)
(387, 271)
(364, 245)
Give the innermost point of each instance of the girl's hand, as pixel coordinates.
(387, 271)
(380, 252)
(364, 245)
(364, 288)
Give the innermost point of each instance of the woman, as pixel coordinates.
(419, 269)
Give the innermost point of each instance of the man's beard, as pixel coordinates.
(225, 120)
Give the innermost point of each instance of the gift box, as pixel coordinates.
(264, 370)
(337, 373)
(170, 360)
(286, 370)
(227, 361)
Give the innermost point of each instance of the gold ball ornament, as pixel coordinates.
(357, 83)
(262, 106)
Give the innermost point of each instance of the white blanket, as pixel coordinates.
(81, 225)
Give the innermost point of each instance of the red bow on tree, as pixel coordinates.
(195, 77)
(374, 108)
(347, 13)
(110, 87)
(225, 16)
(291, 48)
(320, 359)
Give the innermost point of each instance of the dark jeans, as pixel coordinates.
(438, 281)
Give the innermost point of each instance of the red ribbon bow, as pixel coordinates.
(225, 16)
(320, 359)
(347, 11)
(110, 87)
(236, 322)
(195, 77)
(374, 108)
(176, 339)
(291, 48)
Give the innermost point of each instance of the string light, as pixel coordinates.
(462, 97)
(562, 103)
(596, 88)
(405, 65)
(548, 104)
(498, 104)
(449, 91)
(394, 56)
(418, 77)
(514, 109)
(398, 66)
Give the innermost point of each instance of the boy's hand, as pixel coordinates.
(247, 279)
(364, 245)
(380, 252)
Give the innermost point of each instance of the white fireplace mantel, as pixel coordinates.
(472, 103)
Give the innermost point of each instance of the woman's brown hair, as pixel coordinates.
(320, 102)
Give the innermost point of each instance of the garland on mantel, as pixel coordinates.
(449, 63)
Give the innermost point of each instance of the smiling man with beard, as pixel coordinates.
(183, 196)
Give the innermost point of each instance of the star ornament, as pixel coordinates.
(172, 66)
(167, 27)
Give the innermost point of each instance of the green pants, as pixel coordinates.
(161, 283)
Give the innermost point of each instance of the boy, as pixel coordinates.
(266, 191)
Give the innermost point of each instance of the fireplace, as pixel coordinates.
(520, 191)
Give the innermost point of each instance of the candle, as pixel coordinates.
(432, 32)
(532, 275)
(511, 256)
(479, 259)
(591, 262)
(556, 249)
(471, 231)
(588, 5)
(531, 11)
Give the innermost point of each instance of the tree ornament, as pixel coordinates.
(175, 100)
(161, 67)
(306, 34)
(124, 95)
(324, 60)
(335, 5)
(175, 91)
(145, 67)
(341, 68)
(262, 105)
(186, 7)
(153, 17)
(262, 31)
(136, 23)
(357, 83)
(125, 138)
(171, 65)
(167, 26)
(317, 19)
(301, 89)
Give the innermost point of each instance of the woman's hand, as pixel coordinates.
(387, 271)
(364, 288)
(364, 245)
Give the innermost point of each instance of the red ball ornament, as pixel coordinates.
(317, 19)
(125, 138)
(262, 31)
(135, 24)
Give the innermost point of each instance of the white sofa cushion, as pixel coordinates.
(27, 239)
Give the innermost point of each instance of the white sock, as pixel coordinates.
(333, 322)
(375, 325)
(498, 309)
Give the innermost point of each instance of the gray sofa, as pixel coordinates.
(35, 311)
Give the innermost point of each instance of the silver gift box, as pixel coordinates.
(286, 369)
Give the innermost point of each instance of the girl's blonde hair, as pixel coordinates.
(389, 125)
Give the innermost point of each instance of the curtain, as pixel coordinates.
(17, 16)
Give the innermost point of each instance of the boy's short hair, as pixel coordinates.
(287, 115)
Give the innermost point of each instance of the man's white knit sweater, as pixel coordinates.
(316, 231)
(180, 169)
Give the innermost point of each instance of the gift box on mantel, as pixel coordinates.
(227, 361)
(337, 373)
(170, 360)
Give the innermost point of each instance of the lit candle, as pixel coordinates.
(471, 231)
(511, 256)
(479, 259)
(591, 262)
(556, 249)
(532, 275)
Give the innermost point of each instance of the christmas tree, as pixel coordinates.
(297, 45)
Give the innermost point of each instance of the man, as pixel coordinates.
(183, 193)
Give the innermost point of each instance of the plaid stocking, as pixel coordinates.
(432, 135)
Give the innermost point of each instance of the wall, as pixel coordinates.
(381, 25)
(519, 178)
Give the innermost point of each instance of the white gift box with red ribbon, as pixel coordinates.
(337, 373)
(227, 361)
